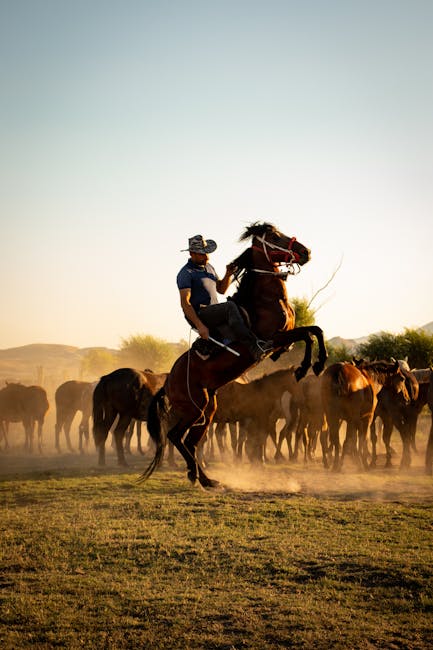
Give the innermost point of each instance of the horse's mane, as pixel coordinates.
(379, 368)
(257, 229)
(243, 263)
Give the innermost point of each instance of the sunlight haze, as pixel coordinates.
(127, 127)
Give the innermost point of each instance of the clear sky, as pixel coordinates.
(128, 126)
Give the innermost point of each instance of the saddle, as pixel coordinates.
(205, 349)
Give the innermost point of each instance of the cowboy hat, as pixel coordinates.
(197, 244)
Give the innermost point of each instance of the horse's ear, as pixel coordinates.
(396, 365)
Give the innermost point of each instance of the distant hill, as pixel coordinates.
(428, 329)
(351, 344)
(29, 363)
(56, 363)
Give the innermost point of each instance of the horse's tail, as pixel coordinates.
(98, 411)
(158, 408)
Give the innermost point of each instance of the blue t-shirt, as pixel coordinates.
(201, 280)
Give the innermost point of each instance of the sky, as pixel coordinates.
(128, 126)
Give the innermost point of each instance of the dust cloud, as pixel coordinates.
(314, 481)
(250, 479)
(285, 479)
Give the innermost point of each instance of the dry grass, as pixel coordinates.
(284, 557)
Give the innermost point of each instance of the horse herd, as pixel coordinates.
(359, 393)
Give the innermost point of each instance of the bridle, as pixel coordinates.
(289, 258)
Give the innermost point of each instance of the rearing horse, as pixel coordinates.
(184, 408)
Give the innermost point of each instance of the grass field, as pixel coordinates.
(282, 557)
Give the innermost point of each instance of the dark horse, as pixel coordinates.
(184, 408)
(70, 397)
(119, 397)
(26, 404)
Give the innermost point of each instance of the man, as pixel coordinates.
(198, 284)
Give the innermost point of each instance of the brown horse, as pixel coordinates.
(155, 381)
(429, 449)
(253, 405)
(349, 393)
(187, 403)
(26, 404)
(70, 397)
(396, 411)
(119, 397)
(311, 423)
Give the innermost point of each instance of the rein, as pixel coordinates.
(290, 255)
(280, 274)
(290, 261)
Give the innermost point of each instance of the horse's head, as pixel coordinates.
(277, 247)
(394, 377)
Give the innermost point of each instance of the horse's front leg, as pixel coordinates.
(285, 339)
(319, 365)
(302, 370)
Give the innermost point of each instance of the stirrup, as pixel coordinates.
(265, 346)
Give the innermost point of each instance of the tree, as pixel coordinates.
(416, 345)
(144, 351)
(97, 362)
(338, 353)
(381, 346)
(304, 313)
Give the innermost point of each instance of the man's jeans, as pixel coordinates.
(225, 318)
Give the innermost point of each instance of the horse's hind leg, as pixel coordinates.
(386, 435)
(188, 448)
(100, 430)
(175, 436)
(373, 438)
(195, 434)
(139, 429)
(67, 428)
(128, 435)
(40, 425)
(119, 434)
(83, 432)
(334, 436)
(57, 431)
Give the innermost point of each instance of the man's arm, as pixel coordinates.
(189, 311)
(223, 284)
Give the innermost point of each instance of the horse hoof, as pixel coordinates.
(192, 476)
(317, 368)
(209, 483)
(300, 373)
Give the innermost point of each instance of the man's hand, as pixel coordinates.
(203, 331)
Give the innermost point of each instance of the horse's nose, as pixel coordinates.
(305, 257)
